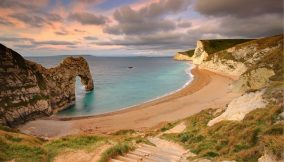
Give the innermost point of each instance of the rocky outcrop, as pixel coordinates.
(200, 53)
(182, 57)
(239, 107)
(245, 56)
(228, 67)
(28, 90)
(253, 80)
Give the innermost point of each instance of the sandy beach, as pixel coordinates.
(207, 90)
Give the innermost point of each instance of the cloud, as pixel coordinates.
(14, 39)
(90, 38)
(36, 20)
(54, 42)
(142, 27)
(259, 26)
(240, 18)
(87, 18)
(148, 19)
(5, 22)
(79, 31)
(21, 42)
(160, 41)
(184, 24)
(16, 4)
(239, 8)
(62, 32)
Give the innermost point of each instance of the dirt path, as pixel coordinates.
(163, 151)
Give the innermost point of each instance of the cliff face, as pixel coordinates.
(243, 57)
(200, 53)
(184, 56)
(28, 90)
(181, 57)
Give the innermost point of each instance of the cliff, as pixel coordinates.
(251, 126)
(184, 56)
(28, 90)
(240, 58)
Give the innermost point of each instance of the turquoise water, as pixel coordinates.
(117, 86)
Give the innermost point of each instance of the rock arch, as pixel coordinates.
(29, 90)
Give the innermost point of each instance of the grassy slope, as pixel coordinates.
(188, 53)
(246, 140)
(215, 45)
(232, 140)
(20, 147)
(263, 43)
(212, 46)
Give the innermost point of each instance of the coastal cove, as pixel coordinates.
(123, 82)
(199, 94)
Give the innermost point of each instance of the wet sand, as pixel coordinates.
(207, 90)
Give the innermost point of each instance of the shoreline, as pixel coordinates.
(188, 71)
(198, 95)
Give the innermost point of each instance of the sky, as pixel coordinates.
(131, 27)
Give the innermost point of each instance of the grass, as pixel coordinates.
(244, 141)
(167, 127)
(54, 147)
(212, 46)
(188, 53)
(125, 132)
(20, 147)
(118, 149)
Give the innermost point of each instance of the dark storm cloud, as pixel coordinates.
(87, 18)
(239, 8)
(146, 20)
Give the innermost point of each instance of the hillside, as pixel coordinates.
(251, 125)
(208, 47)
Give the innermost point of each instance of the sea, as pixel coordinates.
(118, 86)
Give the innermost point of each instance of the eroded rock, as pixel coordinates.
(239, 107)
(29, 90)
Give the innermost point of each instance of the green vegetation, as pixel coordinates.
(212, 46)
(118, 149)
(167, 127)
(20, 147)
(125, 132)
(86, 142)
(244, 141)
(188, 53)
